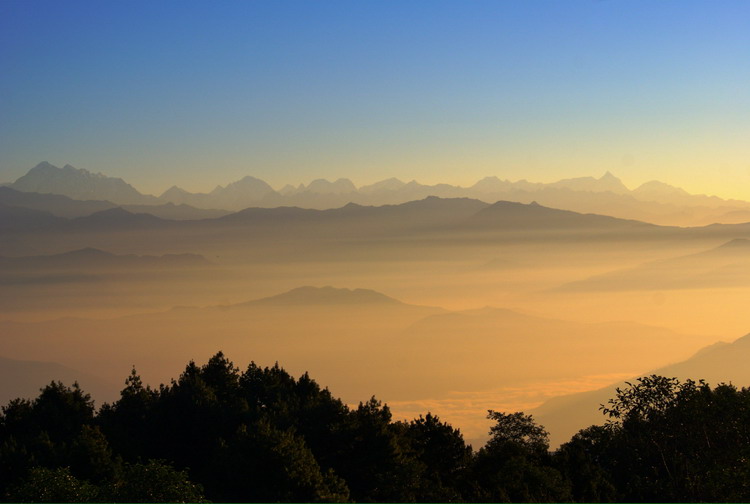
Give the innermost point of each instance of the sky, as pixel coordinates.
(196, 94)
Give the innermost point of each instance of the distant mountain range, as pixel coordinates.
(79, 184)
(329, 233)
(65, 206)
(429, 213)
(654, 201)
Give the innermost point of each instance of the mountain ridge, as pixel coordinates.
(310, 295)
(653, 201)
(78, 183)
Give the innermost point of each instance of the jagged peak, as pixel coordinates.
(174, 190)
(250, 178)
(44, 165)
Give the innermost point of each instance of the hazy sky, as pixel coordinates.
(203, 93)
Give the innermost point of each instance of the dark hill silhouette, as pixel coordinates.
(717, 363)
(64, 206)
(428, 213)
(56, 204)
(90, 258)
(13, 218)
(324, 296)
(507, 215)
(116, 219)
(170, 211)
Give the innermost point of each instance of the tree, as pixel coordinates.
(672, 440)
(444, 455)
(580, 462)
(154, 481)
(128, 423)
(53, 485)
(265, 464)
(517, 431)
(515, 465)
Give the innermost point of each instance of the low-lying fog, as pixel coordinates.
(450, 322)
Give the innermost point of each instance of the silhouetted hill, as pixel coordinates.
(91, 258)
(429, 213)
(14, 218)
(718, 363)
(324, 296)
(64, 206)
(56, 204)
(116, 219)
(507, 215)
(170, 211)
(79, 184)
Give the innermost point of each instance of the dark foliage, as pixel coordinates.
(217, 433)
(666, 441)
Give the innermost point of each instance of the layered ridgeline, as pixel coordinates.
(653, 201)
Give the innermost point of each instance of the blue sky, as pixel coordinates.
(202, 93)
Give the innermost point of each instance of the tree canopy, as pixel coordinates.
(221, 434)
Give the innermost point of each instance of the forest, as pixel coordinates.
(225, 435)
